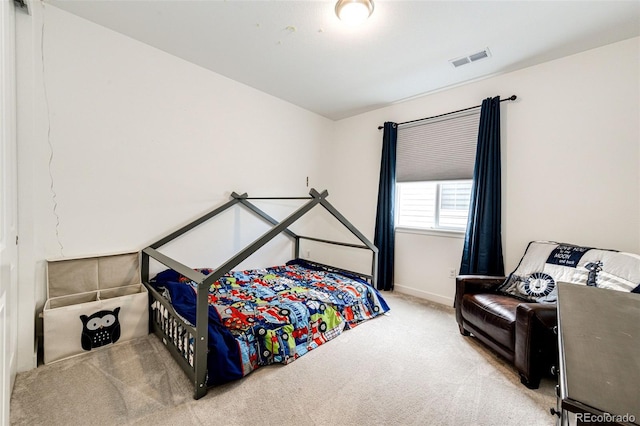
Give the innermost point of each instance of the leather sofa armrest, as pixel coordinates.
(477, 283)
(473, 284)
(534, 337)
(546, 313)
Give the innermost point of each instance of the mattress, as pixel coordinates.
(273, 315)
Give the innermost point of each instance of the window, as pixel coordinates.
(439, 205)
(435, 160)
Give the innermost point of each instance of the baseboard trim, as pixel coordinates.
(443, 300)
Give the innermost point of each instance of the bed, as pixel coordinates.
(220, 324)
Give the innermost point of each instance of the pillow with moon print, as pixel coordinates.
(545, 263)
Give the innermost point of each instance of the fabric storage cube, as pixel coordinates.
(92, 303)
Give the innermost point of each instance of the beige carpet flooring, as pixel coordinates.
(411, 367)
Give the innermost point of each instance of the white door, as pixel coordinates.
(8, 209)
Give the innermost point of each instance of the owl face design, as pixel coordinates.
(99, 329)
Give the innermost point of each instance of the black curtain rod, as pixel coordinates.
(510, 98)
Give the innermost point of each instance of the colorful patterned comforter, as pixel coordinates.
(273, 315)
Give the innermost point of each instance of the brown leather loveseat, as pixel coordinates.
(521, 332)
(516, 317)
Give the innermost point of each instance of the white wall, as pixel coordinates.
(143, 142)
(134, 143)
(570, 151)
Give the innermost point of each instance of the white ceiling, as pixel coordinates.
(300, 52)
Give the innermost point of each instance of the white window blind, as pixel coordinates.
(433, 205)
(439, 149)
(416, 204)
(454, 204)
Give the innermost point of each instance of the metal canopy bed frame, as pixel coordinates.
(188, 344)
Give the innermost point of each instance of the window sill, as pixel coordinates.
(432, 232)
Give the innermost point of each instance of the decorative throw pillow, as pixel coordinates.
(545, 263)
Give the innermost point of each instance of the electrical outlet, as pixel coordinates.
(308, 254)
(452, 273)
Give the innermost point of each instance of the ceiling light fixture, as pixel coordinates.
(354, 12)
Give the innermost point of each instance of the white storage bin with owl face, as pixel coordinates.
(93, 303)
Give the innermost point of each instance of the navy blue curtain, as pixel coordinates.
(482, 253)
(385, 221)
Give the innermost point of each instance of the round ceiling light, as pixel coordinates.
(354, 12)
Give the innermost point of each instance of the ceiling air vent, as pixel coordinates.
(458, 62)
